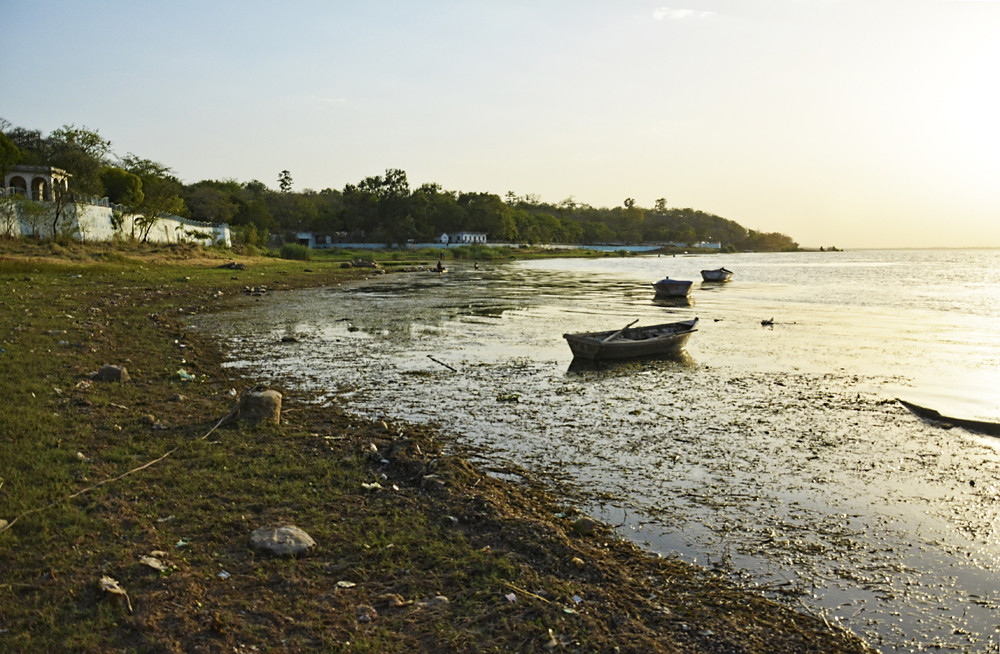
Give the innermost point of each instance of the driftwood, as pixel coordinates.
(441, 363)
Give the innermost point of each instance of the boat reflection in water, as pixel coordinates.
(686, 301)
(629, 366)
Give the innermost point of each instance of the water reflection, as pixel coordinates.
(673, 301)
(625, 367)
(773, 453)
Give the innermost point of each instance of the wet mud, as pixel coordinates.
(777, 455)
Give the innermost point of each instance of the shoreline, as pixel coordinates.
(516, 575)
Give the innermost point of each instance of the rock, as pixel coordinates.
(432, 483)
(584, 526)
(281, 541)
(110, 373)
(436, 601)
(366, 613)
(260, 405)
(392, 601)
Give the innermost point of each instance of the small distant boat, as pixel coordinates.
(632, 342)
(667, 287)
(717, 275)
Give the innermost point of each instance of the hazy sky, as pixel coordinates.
(855, 123)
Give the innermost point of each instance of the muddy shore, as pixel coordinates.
(417, 550)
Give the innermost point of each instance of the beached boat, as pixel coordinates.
(717, 275)
(667, 287)
(632, 342)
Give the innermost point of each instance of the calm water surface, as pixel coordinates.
(776, 455)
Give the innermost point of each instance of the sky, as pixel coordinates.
(847, 123)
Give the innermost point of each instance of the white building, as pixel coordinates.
(463, 238)
(35, 182)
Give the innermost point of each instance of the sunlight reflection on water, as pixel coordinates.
(777, 454)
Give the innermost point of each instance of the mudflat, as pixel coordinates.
(414, 549)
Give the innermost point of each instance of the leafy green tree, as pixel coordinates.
(285, 182)
(10, 154)
(161, 193)
(81, 152)
(211, 204)
(121, 186)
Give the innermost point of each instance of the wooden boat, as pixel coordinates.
(631, 342)
(717, 275)
(667, 287)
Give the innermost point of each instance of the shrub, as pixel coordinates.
(295, 251)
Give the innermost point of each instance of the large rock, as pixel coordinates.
(260, 405)
(281, 541)
(110, 373)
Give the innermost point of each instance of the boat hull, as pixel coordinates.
(636, 342)
(672, 288)
(718, 275)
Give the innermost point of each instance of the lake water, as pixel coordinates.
(777, 455)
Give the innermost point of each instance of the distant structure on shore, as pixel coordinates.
(31, 205)
(463, 238)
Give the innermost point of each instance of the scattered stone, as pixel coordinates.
(3, 524)
(366, 613)
(110, 373)
(177, 397)
(281, 541)
(256, 406)
(584, 526)
(392, 601)
(432, 482)
(438, 600)
(153, 562)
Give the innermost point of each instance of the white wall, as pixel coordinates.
(89, 222)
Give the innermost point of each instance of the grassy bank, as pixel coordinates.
(415, 549)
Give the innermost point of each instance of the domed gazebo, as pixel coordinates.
(35, 182)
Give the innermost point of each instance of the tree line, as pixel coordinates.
(379, 209)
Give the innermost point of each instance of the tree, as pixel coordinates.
(82, 153)
(10, 154)
(161, 193)
(8, 216)
(285, 182)
(211, 204)
(121, 186)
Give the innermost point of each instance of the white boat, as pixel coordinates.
(717, 275)
(667, 287)
(632, 342)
